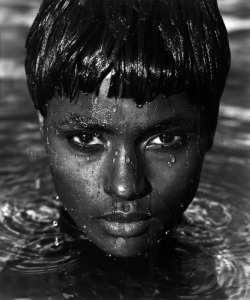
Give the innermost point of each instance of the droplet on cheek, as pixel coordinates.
(87, 158)
(113, 160)
(172, 161)
(172, 158)
(57, 197)
(170, 164)
(116, 153)
(127, 160)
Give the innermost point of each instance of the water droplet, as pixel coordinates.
(119, 205)
(113, 160)
(55, 223)
(114, 108)
(56, 242)
(116, 153)
(139, 105)
(172, 159)
(127, 208)
(127, 160)
(170, 164)
(57, 197)
(37, 184)
(181, 205)
(96, 100)
(87, 158)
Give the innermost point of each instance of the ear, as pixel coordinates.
(41, 124)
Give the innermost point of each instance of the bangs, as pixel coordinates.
(148, 47)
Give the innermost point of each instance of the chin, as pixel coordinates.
(126, 247)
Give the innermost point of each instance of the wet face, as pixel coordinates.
(124, 173)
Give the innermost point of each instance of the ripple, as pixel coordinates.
(221, 226)
(30, 242)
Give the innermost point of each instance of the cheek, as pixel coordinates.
(175, 183)
(76, 180)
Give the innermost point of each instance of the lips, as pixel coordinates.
(125, 225)
(126, 218)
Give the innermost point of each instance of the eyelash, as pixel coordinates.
(176, 142)
(81, 146)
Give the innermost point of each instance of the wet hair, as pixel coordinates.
(147, 46)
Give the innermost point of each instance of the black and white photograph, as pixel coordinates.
(125, 149)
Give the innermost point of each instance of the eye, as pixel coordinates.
(164, 141)
(85, 141)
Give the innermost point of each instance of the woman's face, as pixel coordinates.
(124, 173)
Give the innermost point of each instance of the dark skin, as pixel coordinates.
(125, 173)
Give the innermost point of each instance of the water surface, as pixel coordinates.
(210, 256)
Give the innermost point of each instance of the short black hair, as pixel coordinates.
(148, 46)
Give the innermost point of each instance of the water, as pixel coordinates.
(210, 255)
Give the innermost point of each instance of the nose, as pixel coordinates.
(125, 177)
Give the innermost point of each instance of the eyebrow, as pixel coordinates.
(173, 122)
(81, 122)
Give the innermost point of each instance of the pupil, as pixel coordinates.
(86, 138)
(166, 138)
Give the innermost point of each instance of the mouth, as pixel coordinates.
(125, 225)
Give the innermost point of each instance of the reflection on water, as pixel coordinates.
(209, 256)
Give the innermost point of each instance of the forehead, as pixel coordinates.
(118, 112)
